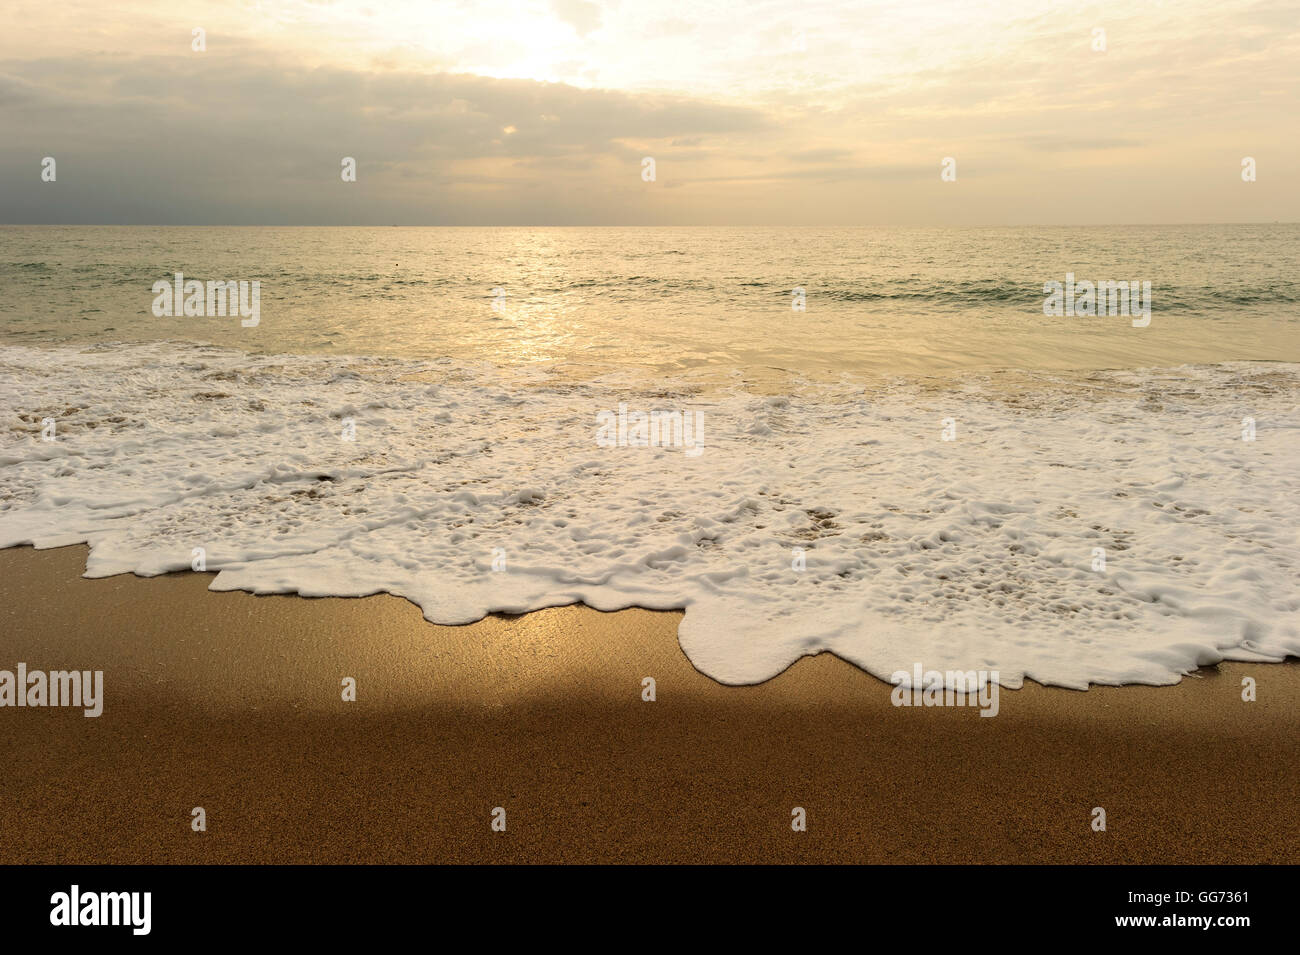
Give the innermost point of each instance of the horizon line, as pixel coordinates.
(297, 225)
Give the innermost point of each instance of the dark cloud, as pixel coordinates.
(233, 138)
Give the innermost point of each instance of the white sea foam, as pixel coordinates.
(975, 553)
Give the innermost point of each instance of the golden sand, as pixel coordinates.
(232, 702)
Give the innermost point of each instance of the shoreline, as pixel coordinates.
(988, 511)
(231, 702)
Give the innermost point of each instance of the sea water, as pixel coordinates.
(894, 453)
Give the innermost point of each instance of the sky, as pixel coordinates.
(543, 112)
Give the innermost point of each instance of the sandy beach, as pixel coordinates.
(232, 702)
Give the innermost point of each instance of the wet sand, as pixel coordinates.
(233, 702)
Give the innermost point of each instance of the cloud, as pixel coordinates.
(851, 129)
(821, 155)
(582, 15)
(239, 137)
(1079, 143)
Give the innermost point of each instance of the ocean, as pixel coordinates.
(868, 441)
(876, 301)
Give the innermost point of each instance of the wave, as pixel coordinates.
(1015, 292)
(828, 519)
